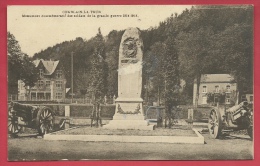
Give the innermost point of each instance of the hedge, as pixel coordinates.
(107, 111)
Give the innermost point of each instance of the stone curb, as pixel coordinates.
(123, 138)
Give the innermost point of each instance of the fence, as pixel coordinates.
(88, 100)
(107, 100)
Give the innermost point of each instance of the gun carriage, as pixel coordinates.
(35, 117)
(238, 117)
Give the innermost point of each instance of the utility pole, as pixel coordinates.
(72, 93)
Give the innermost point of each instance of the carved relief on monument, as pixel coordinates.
(129, 48)
(121, 111)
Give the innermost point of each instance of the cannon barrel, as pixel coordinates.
(237, 107)
(17, 106)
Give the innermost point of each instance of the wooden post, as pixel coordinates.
(114, 99)
(190, 117)
(67, 116)
(105, 100)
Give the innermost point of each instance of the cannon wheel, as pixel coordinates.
(13, 126)
(45, 120)
(215, 123)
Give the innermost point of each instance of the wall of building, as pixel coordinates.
(41, 91)
(59, 85)
(21, 91)
(211, 88)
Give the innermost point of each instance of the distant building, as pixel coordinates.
(214, 83)
(51, 86)
(248, 97)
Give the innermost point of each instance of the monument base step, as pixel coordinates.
(129, 125)
(125, 117)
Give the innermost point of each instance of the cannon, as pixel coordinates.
(238, 117)
(35, 117)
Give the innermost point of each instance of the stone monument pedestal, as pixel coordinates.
(129, 104)
(129, 115)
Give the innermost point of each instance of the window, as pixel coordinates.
(204, 89)
(228, 88)
(40, 84)
(58, 95)
(48, 84)
(58, 73)
(59, 84)
(243, 98)
(227, 99)
(41, 73)
(216, 89)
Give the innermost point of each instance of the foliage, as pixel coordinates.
(112, 75)
(29, 73)
(202, 40)
(170, 72)
(214, 98)
(20, 66)
(153, 78)
(107, 111)
(83, 51)
(216, 39)
(97, 84)
(210, 98)
(112, 44)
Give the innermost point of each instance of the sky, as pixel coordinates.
(36, 31)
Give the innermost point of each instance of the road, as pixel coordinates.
(32, 148)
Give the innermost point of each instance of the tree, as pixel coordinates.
(210, 39)
(29, 73)
(170, 65)
(98, 72)
(193, 49)
(20, 66)
(153, 70)
(112, 78)
(14, 63)
(234, 47)
(112, 50)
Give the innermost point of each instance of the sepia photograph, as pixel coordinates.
(130, 82)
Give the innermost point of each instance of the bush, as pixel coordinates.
(59, 110)
(86, 110)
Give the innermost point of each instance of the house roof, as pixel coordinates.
(49, 65)
(36, 62)
(207, 78)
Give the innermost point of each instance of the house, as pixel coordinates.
(248, 97)
(51, 86)
(214, 84)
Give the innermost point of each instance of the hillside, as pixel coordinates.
(207, 40)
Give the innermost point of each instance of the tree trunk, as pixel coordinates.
(198, 87)
(158, 97)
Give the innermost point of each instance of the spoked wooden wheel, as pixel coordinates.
(13, 126)
(45, 120)
(215, 124)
